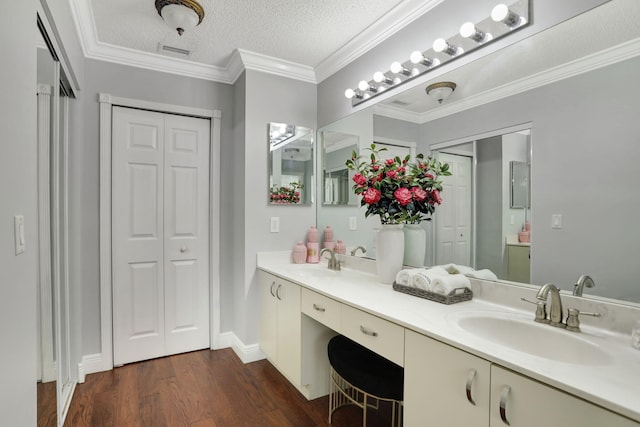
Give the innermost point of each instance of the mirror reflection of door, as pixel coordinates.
(337, 147)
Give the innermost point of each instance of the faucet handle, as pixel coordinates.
(573, 318)
(541, 310)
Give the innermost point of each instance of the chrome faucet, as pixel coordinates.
(555, 309)
(353, 251)
(583, 281)
(333, 263)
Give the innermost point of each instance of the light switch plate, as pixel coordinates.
(353, 224)
(275, 224)
(18, 228)
(556, 221)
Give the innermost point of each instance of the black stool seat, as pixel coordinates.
(365, 369)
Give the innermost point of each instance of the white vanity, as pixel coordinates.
(483, 362)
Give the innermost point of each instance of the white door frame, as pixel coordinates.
(104, 360)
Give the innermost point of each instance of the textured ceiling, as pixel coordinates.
(305, 32)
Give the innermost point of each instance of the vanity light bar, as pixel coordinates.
(503, 21)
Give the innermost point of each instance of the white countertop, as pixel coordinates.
(614, 385)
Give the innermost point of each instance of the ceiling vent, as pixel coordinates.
(400, 103)
(172, 50)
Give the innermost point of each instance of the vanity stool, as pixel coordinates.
(360, 377)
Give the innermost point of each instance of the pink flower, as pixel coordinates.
(390, 162)
(359, 179)
(428, 175)
(375, 167)
(402, 169)
(403, 196)
(435, 196)
(392, 174)
(419, 194)
(371, 196)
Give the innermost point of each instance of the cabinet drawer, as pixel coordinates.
(379, 335)
(324, 310)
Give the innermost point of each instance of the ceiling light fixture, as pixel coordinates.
(441, 90)
(180, 14)
(468, 39)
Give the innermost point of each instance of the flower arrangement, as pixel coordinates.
(286, 195)
(397, 190)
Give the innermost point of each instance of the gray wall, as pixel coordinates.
(489, 246)
(135, 83)
(585, 146)
(401, 130)
(18, 192)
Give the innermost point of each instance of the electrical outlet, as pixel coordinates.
(275, 224)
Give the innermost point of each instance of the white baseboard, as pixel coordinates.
(246, 353)
(93, 363)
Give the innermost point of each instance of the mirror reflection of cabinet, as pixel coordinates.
(291, 163)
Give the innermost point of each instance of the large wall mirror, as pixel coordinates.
(558, 154)
(291, 164)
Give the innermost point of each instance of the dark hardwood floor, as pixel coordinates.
(47, 410)
(203, 389)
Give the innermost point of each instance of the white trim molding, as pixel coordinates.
(103, 361)
(247, 353)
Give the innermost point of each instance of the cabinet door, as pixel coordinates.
(268, 315)
(528, 403)
(444, 386)
(289, 330)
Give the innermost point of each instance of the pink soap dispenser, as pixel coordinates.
(299, 253)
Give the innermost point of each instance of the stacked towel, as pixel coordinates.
(403, 276)
(446, 284)
(484, 274)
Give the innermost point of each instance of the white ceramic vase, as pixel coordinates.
(415, 245)
(389, 251)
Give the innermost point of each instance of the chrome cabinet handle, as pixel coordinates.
(318, 308)
(503, 404)
(471, 376)
(278, 292)
(368, 332)
(271, 289)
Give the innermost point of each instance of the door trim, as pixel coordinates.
(104, 360)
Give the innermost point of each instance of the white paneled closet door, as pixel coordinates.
(160, 202)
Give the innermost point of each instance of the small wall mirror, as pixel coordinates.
(290, 164)
(519, 184)
(337, 147)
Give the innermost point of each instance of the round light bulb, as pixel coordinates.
(363, 85)
(467, 29)
(349, 93)
(500, 12)
(379, 77)
(396, 68)
(416, 57)
(440, 45)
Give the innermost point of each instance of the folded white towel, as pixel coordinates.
(484, 274)
(422, 278)
(445, 284)
(403, 276)
(451, 268)
(463, 269)
(437, 271)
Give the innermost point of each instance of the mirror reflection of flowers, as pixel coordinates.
(286, 195)
(398, 190)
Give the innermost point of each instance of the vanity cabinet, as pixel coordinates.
(444, 386)
(280, 325)
(528, 403)
(518, 263)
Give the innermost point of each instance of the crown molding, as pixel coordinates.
(280, 67)
(399, 17)
(621, 52)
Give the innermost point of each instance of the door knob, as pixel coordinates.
(183, 249)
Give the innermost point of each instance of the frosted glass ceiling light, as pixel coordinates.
(440, 91)
(470, 31)
(501, 13)
(350, 93)
(180, 14)
(441, 45)
(418, 58)
(398, 68)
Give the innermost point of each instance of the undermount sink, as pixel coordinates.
(524, 335)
